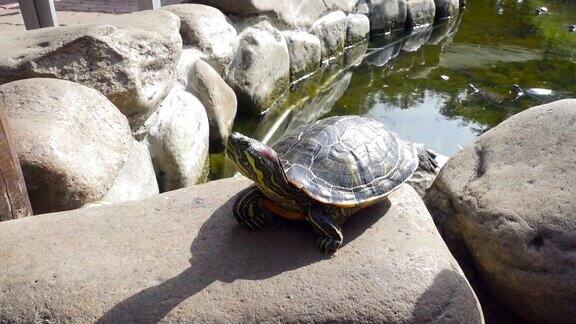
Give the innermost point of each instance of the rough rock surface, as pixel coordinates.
(130, 59)
(331, 30)
(71, 141)
(209, 30)
(181, 257)
(218, 99)
(260, 70)
(420, 13)
(136, 180)
(447, 8)
(305, 53)
(387, 15)
(508, 203)
(177, 135)
(358, 29)
(295, 13)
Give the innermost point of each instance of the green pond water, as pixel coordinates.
(417, 84)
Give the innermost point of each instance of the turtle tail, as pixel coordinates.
(427, 160)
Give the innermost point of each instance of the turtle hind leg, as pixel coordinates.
(322, 220)
(427, 159)
(247, 210)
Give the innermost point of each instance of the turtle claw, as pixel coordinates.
(328, 245)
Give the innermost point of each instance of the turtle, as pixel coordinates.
(537, 94)
(323, 172)
(572, 28)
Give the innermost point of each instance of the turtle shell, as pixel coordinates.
(346, 160)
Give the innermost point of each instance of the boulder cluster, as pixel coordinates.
(124, 107)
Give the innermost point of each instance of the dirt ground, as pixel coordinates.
(69, 12)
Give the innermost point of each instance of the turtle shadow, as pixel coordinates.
(223, 251)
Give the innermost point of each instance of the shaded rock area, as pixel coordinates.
(420, 13)
(218, 99)
(506, 207)
(130, 59)
(183, 258)
(446, 8)
(387, 15)
(208, 30)
(177, 135)
(260, 71)
(71, 141)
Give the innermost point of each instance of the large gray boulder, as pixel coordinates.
(260, 70)
(71, 141)
(305, 53)
(420, 13)
(177, 135)
(506, 204)
(209, 30)
(182, 258)
(130, 59)
(387, 15)
(218, 99)
(294, 13)
(331, 30)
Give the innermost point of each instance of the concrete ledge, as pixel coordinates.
(180, 257)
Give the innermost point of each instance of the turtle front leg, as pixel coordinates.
(322, 220)
(247, 210)
(427, 159)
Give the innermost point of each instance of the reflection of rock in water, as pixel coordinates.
(445, 31)
(355, 55)
(384, 55)
(415, 40)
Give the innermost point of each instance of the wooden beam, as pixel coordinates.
(14, 201)
(149, 4)
(38, 13)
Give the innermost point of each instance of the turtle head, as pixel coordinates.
(517, 91)
(253, 159)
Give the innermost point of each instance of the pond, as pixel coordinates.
(418, 84)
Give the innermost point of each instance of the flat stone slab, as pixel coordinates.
(181, 257)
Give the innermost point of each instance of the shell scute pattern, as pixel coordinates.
(346, 161)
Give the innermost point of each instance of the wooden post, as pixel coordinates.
(149, 4)
(38, 13)
(14, 201)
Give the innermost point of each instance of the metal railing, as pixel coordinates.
(42, 13)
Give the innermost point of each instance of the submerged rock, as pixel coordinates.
(218, 99)
(331, 30)
(177, 135)
(71, 141)
(130, 59)
(305, 53)
(208, 30)
(260, 71)
(181, 257)
(506, 205)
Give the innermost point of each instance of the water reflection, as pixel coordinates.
(417, 84)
